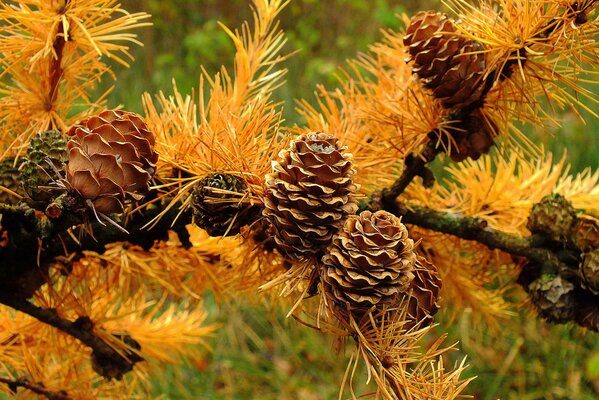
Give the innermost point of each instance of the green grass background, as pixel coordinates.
(257, 353)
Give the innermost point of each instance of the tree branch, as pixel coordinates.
(36, 388)
(414, 166)
(545, 257)
(107, 361)
(32, 240)
(471, 228)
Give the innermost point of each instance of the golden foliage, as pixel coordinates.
(236, 129)
(548, 49)
(52, 57)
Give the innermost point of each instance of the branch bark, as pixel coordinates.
(106, 360)
(414, 166)
(36, 388)
(471, 228)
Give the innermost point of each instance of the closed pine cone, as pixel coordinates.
(37, 174)
(450, 65)
(216, 205)
(554, 216)
(369, 263)
(587, 232)
(111, 159)
(589, 267)
(309, 194)
(476, 137)
(425, 287)
(9, 178)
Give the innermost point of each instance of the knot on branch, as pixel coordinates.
(113, 365)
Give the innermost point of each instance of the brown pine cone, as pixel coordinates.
(111, 159)
(475, 139)
(587, 233)
(425, 287)
(590, 271)
(369, 263)
(309, 194)
(448, 64)
(554, 298)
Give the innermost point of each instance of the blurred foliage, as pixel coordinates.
(259, 354)
(186, 35)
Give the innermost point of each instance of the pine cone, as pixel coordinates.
(47, 148)
(553, 216)
(425, 289)
(587, 233)
(590, 271)
(218, 212)
(111, 159)
(10, 179)
(450, 65)
(554, 298)
(474, 138)
(369, 263)
(309, 194)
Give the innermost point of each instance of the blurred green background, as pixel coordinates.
(257, 354)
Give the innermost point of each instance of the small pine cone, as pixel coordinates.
(450, 65)
(554, 216)
(590, 271)
(216, 205)
(10, 179)
(111, 159)
(369, 263)
(554, 298)
(46, 157)
(587, 233)
(475, 139)
(309, 194)
(588, 315)
(425, 287)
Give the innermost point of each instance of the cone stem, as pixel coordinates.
(415, 165)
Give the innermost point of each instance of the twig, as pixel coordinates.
(81, 329)
(33, 240)
(36, 388)
(471, 228)
(414, 166)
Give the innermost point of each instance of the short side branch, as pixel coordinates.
(36, 388)
(471, 228)
(108, 362)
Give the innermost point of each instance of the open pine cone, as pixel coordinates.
(369, 263)
(309, 194)
(111, 159)
(450, 65)
(554, 298)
